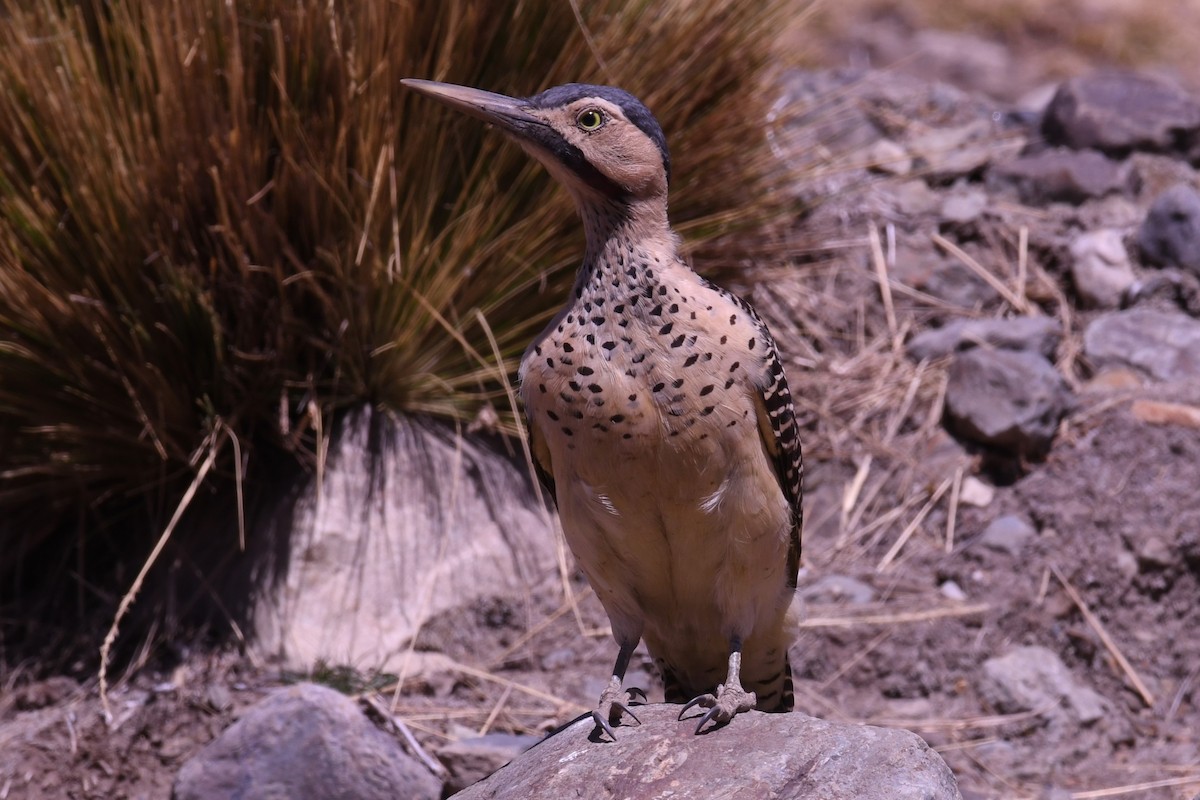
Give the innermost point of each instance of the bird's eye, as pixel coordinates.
(589, 119)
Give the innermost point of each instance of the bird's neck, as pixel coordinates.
(628, 244)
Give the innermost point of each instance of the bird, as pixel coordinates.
(659, 419)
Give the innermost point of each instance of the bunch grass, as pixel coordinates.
(228, 216)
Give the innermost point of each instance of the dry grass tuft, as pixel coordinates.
(229, 214)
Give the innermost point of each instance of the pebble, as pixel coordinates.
(1170, 234)
(952, 591)
(1100, 268)
(964, 205)
(1008, 534)
(1012, 401)
(838, 589)
(1062, 176)
(975, 492)
(1118, 112)
(1162, 344)
(1035, 678)
(1032, 334)
(887, 157)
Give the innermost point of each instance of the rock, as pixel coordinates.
(1035, 679)
(975, 492)
(1164, 345)
(1009, 400)
(469, 761)
(1168, 289)
(1119, 112)
(838, 589)
(952, 591)
(1062, 176)
(944, 153)
(1100, 268)
(756, 755)
(1007, 534)
(1170, 234)
(305, 741)
(912, 198)
(368, 558)
(964, 205)
(1033, 334)
(889, 158)
(1155, 553)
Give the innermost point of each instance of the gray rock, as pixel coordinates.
(469, 761)
(1009, 400)
(1064, 176)
(1035, 679)
(964, 205)
(377, 549)
(944, 153)
(1119, 112)
(889, 158)
(1169, 289)
(1100, 268)
(782, 756)
(302, 742)
(1033, 334)
(1170, 234)
(1162, 344)
(1007, 534)
(838, 589)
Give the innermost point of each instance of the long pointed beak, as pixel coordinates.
(507, 112)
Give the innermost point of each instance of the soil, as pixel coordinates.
(1116, 518)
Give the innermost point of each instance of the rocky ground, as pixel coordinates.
(1000, 295)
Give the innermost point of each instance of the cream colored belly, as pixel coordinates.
(684, 539)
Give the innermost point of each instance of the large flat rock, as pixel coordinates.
(756, 755)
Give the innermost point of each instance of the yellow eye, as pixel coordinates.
(589, 119)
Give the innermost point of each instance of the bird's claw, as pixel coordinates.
(722, 706)
(603, 713)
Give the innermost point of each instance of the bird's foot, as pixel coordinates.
(613, 703)
(731, 699)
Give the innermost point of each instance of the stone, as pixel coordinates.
(469, 761)
(945, 153)
(304, 742)
(912, 198)
(964, 205)
(952, 591)
(1034, 678)
(1155, 552)
(1168, 289)
(783, 756)
(1118, 112)
(1032, 334)
(1011, 401)
(889, 158)
(1164, 345)
(381, 547)
(1100, 268)
(975, 492)
(1170, 234)
(1008, 534)
(1062, 176)
(838, 589)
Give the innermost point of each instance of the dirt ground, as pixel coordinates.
(1117, 524)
